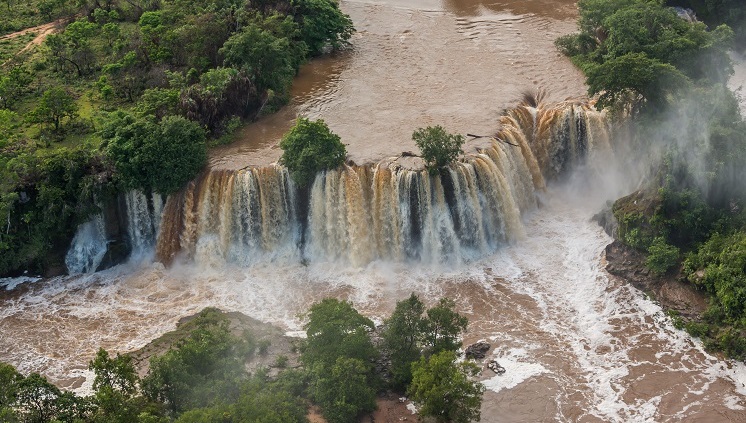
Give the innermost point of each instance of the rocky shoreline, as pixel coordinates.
(668, 290)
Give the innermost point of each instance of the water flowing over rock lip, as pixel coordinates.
(455, 63)
(12, 283)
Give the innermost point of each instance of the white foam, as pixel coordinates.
(517, 369)
(12, 283)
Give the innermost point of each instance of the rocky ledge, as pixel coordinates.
(669, 290)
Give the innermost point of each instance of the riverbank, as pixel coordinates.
(668, 290)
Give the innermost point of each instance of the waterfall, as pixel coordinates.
(88, 247)
(358, 214)
(241, 217)
(143, 216)
(384, 211)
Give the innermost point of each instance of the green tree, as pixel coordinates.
(661, 256)
(339, 356)
(9, 127)
(335, 329)
(639, 53)
(631, 80)
(267, 58)
(220, 94)
(155, 156)
(55, 104)
(204, 369)
(12, 86)
(402, 338)
(38, 399)
(322, 24)
(158, 103)
(116, 390)
(343, 391)
(443, 390)
(310, 147)
(9, 381)
(438, 147)
(261, 400)
(443, 327)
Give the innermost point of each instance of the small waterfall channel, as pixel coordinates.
(393, 210)
(132, 224)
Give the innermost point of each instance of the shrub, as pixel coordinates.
(438, 147)
(661, 256)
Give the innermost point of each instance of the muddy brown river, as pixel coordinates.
(419, 63)
(578, 345)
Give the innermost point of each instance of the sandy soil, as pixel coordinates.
(42, 32)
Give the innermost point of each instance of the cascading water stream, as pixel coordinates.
(143, 221)
(88, 247)
(386, 211)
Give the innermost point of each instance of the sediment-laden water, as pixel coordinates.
(506, 232)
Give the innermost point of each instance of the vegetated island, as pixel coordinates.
(226, 367)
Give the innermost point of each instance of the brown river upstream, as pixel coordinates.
(578, 344)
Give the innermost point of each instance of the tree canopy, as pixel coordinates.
(310, 147)
(155, 156)
(443, 388)
(439, 148)
(639, 52)
(412, 332)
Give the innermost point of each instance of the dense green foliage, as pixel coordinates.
(719, 267)
(154, 156)
(443, 389)
(204, 369)
(339, 357)
(42, 199)
(638, 53)
(137, 87)
(402, 339)
(203, 378)
(666, 74)
(55, 104)
(439, 148)
(716, 12)
(411, 333)
(310, 147)
(661, 256)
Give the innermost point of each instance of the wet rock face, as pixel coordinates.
(477, 351)
(670, 291)
(605, 218)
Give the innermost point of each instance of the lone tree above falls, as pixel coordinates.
(439, 148)
(310, 147)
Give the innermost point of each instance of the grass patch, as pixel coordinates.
(9, 47)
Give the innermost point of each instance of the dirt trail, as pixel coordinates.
(43, 31)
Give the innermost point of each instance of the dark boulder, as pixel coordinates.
(477, 351)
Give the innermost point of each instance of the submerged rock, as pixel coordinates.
(496, 367)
